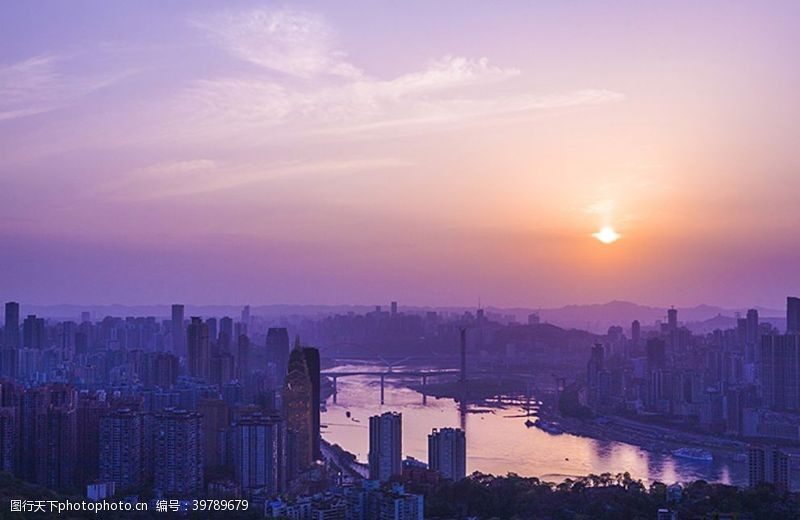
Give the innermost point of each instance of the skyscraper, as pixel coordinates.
(768, 464)
(243, 357)
(8, 438)
(245, 317)
(49, 435)
(33, 332)
(636, 332)
(656, 354)
(312, 362)
(297, 405)
(159, 369)
(9, 362)
(225, 334)
(122, 448)
(793, 315)
(385, 446)
(11, 326)
(258, 442)
(778, 375)
(198, 349)
(178, 333)
(92, 406)
(216, 420)
(10, 397)
(278, 352)
(212, 330)
(447, 453)
(752, 325)
(178, 452)
(751, 336)
(596, 377)
(672, 318)
(462, 378)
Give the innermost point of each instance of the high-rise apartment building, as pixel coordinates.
(225, 334)
(11, 326)
(313, 364)
(752, 334)
(385, 446)
(779, 373)
(216, 420)
(258, 442)
(768, 464)
(636, 332)
(48, 453)
(447, 453)
(178, 445)
(177, 331)
(92, 406)
(198, 349)
(242, 357)
(672, 318)
(245, 316)
(122, 448)
(298, 412)
(10, 395)
(278, 352)
(793, 315)
(33, 334)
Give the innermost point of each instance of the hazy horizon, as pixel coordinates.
(432, 153)
(402, 306)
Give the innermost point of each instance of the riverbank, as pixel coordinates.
(650, 437)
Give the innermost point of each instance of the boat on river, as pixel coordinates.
(547, 426)
(698, 454)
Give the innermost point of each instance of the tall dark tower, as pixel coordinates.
(793, 315)
(243, 357)
(225, 334)
(11, 326)
(199, 349)
(312, 362)
(463, 377)
(636, 332)
(178, 333)
(297, 410)
(672, 318)
(278, 351)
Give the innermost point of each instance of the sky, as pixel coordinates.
(435, 153)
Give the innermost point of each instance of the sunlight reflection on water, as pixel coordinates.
(498, 441)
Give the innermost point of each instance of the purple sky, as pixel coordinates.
(430, 152)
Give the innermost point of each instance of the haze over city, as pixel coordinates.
(537, 155)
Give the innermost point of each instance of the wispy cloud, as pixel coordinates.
(294, 42)
(343, 99)
(194, 176)
(36, 85)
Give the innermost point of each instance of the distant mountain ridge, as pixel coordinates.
(596, 317)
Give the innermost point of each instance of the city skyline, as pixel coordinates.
(131, 404)
(438, 154)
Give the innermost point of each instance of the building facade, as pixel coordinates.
(447, 453)
(385, 446)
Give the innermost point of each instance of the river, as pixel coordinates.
(498, 441)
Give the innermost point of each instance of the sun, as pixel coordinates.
(607, 235)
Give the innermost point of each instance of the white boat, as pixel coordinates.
(697, 454)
